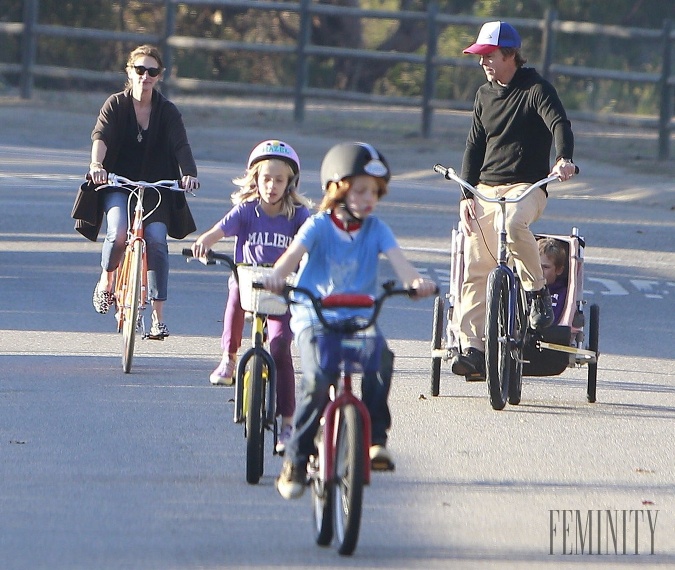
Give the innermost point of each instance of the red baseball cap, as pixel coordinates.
(492, 36)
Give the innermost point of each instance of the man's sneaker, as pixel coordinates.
(292, 480)
(380, 459)
(541, 310)
(159, 330)
(470, 364)
(102, 300)
(224, 374)
(284, 436)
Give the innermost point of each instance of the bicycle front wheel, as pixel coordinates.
(322, 499)
(131, 303)
(349, 480)
(255, 426)
(516, 363)
(497, 349)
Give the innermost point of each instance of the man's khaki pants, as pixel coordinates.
(480, 254)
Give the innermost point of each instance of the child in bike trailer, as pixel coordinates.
(553, 256)
(339, 248)
(267, 213)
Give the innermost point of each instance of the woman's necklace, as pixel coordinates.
(139, 138)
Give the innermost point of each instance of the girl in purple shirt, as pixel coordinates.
(267, 213)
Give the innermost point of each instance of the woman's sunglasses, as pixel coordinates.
(152, 71)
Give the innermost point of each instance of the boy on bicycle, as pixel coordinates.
(517, 115)
(339, 249)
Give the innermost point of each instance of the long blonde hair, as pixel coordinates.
(248, 189)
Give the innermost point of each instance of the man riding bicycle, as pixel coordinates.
(517, 116)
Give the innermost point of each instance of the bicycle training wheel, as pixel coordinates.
(516, 364)
(132, 297)
(436, 339)
(255, 427)
(322, 498)
(349, 480)
(497, 350)
(593, 344)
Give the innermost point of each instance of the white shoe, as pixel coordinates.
(381, 459)
(224, 374)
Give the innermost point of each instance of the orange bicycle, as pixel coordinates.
(131, 280)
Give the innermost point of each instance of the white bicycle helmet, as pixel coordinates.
(353, 159)
(275, 149)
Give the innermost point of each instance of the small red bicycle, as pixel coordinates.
(341, 465)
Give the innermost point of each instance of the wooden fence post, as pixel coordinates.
(548, 43)
(165, 47)
(429, 69)
(28, 46)
(666, 106)
(301, 61)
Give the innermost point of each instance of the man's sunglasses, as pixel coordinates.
(152, 71)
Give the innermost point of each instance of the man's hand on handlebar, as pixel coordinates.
(564, 169)
(274, 283)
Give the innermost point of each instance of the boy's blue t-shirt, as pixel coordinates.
(338, 263)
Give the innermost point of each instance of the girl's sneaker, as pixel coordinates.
(159, 330)
(284, 436)
(224, 374)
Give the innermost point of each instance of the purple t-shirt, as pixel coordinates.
(260, 239)
(558, 290)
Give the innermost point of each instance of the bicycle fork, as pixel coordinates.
(330, 422)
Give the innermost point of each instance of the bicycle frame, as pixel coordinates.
(340, 397)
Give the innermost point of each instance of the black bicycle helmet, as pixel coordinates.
(353, 159)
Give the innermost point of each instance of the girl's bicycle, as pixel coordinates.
(340, 467)
(131, 281)
(256, 377)
(510, 345)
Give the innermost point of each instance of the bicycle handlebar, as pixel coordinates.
(118, 181)
(212, 258)
(345, 301)
(451, 174)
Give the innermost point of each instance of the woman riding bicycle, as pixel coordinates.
(341, 246)
(140, 135)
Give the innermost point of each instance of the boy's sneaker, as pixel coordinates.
(102, 300)
(381, 459)
(159, 330)
(224, 374)
(292, 480)
(541, 309)
(284, 436)
(470, 364)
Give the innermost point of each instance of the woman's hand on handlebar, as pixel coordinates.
(467, 213)
(97, 173)
(189, 183)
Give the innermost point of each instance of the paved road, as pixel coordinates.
(99, 469)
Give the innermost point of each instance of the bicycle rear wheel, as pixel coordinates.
(497, 349)
(131, 303)
(349, 480)
(255, 426)
(594, 345)
(322, 498)
(436, 339)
